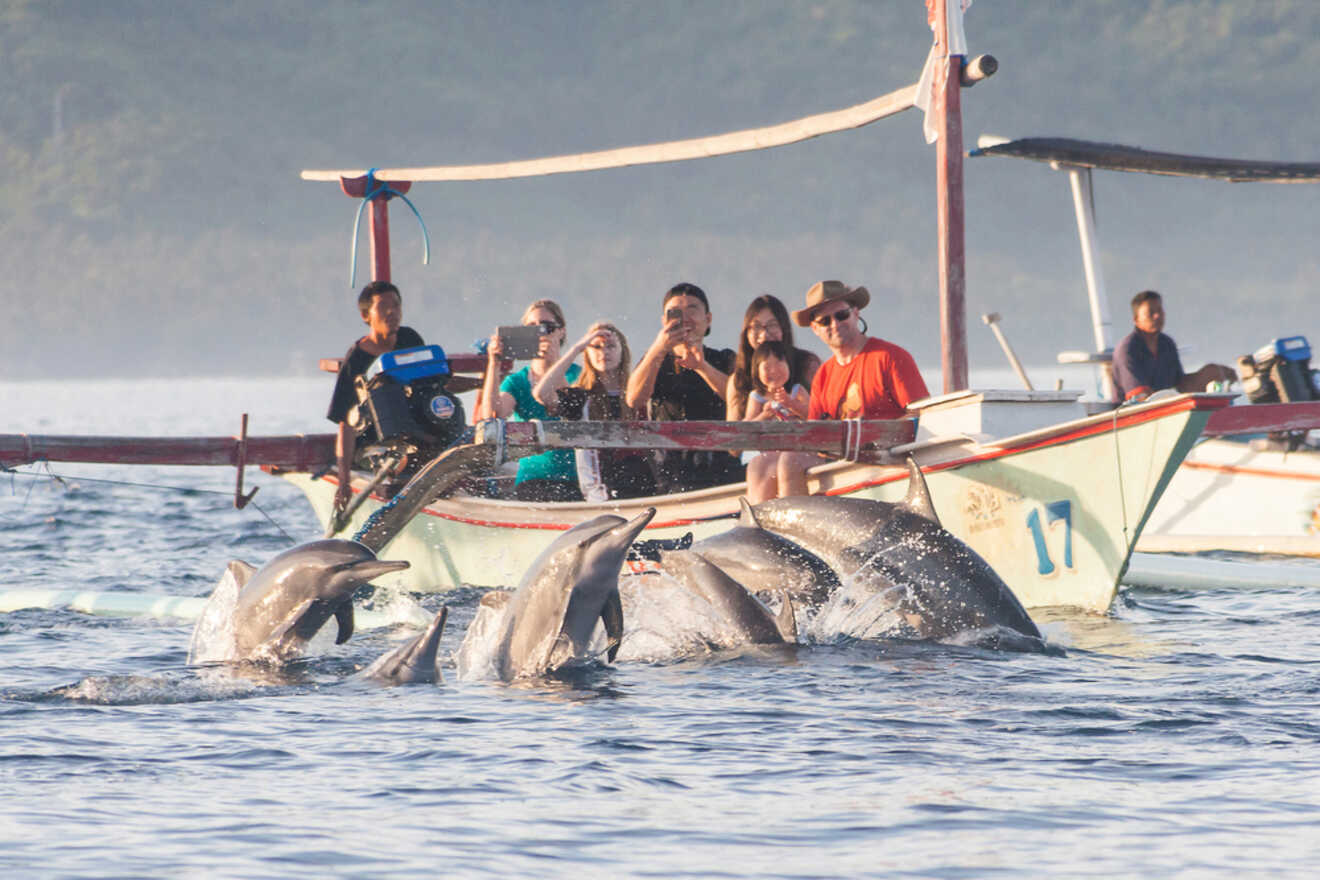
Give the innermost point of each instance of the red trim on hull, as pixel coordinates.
(1253, 472)
(1057, 440)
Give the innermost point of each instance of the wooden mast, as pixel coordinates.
(947, 111)
(378, 221)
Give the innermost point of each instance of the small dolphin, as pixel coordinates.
(900, 554)
(761, 560)
(752, 621)
(414, 662)
(285, 603)
(549, 621)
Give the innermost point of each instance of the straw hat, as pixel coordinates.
(822, 293)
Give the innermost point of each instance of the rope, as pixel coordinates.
(50, 474)
(380, 188)
(1118, 465)
(852, 439)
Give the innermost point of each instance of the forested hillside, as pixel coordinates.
(153, 220)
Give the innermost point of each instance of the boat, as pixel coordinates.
(1052, 497)
(1236, 490)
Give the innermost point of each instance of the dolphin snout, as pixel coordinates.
(368, 569)
(628, 532)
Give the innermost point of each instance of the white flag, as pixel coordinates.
(957, 46)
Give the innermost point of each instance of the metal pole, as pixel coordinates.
(1084, 205)
(949, 197)
(992, 320)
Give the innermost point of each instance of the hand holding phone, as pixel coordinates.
(518, 342)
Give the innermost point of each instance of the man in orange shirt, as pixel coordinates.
(867, 377)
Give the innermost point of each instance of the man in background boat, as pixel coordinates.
(381, 306)
(680, 378)
(1146, 360)
(867, 377)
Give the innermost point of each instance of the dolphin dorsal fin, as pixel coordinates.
(241, 572)
(747, 517)
(611, 614)
(344, 617)
(918, 494)
(786, 619)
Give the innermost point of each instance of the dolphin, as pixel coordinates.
(550, 619)
(764, 561)
(284, 603)
(900, 556)
(414, 662)
(752, 622)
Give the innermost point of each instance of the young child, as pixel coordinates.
(769, 399)
(775, 474)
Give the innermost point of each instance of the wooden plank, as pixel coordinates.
(832, 438)
(296, 451)
(309, 451)
(673, 151)
(1264, 417)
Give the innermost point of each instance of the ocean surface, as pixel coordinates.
(1179, 735)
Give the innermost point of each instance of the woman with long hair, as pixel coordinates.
(766, 318)
(605, 368)
(598, 394)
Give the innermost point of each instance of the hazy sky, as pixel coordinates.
(239, 267)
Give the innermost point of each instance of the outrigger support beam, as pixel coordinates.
(851, 439)
(241, 500)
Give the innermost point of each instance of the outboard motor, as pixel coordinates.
(404, 411)
(1280, 372)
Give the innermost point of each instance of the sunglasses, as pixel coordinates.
(548, 327)
(837, 318)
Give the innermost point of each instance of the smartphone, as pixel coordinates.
(520, 343)
(673, 315)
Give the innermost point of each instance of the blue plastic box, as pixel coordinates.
(1287, 348)
(407, 365)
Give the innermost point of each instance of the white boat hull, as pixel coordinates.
(1055, 511)
(1228, 496)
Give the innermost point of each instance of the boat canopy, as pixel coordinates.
(1065, 152)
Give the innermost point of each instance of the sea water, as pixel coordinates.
(1179, 735)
